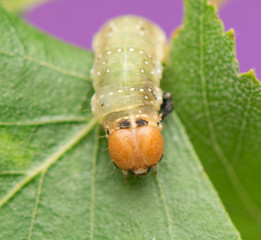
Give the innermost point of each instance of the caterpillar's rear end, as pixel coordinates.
(126, 75)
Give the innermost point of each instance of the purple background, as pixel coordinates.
(76, 21)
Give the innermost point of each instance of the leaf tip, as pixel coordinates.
(252, 76)
(231, 33)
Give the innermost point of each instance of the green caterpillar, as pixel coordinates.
(126, 76)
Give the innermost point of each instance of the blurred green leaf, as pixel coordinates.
(221, 111)
(20, 5)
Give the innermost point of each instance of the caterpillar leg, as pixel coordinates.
(166, 106)
(155, 168)
(125, 174)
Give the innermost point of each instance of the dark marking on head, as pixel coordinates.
(161, 157)
(115, 165)
(141, 122)
(107, 131)
(124, 124)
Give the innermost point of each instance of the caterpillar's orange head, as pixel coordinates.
(136, 149)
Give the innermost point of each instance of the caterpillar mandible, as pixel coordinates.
(126, 75)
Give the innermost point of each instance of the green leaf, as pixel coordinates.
(220, 110)
(20, 5)
(56, 178)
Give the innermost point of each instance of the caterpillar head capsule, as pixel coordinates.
(136, 149)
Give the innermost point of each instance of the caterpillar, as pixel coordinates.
(126, 74)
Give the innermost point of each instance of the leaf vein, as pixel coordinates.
(36, 205)
(58, 69)
(96, 148)
(163, 197)
(241, 133)
(249, 204)
(12, 29)
(13, 172)
(49, 161)
(48, 65)
(45, 121)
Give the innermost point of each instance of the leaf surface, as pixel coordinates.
(56, 178)
(221, 111)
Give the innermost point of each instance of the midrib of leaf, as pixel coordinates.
(95, 155)
(49, 161)
(246, 199)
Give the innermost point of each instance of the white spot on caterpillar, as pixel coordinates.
(146, 62)
(146, 97)
(119, 50)
(131, 49)
(114, 27)
(103, 62)
(110, 93)
(109, 52)
(141, 90)
(142, 70)
(152, 72)
(149, 89)
(141, 52)
(120, 90)
(98, 73)
(101, 96)
(108, 70)
(132, 89)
